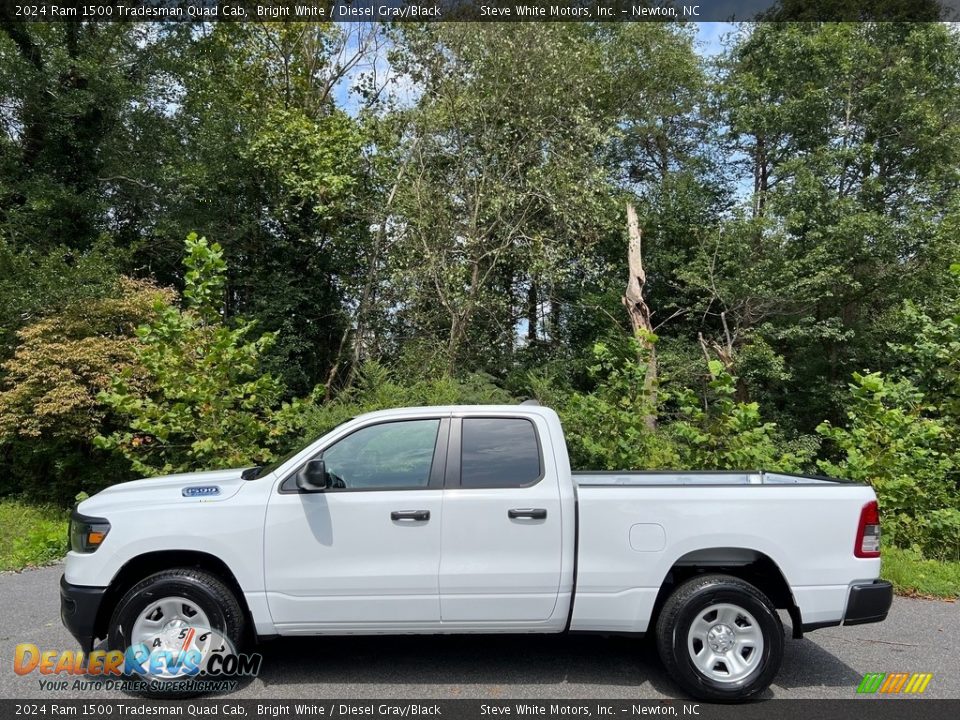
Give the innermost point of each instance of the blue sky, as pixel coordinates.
(709, 35)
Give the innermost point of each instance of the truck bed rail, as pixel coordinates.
(697, 477)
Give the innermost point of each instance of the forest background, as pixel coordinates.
(219, 241)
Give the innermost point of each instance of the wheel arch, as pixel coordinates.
(146, 564)
(748, 564)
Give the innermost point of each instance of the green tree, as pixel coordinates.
(34, 283)
(516, 148)
(83, 133)
(377, 387)
(848, 137)
(934, 352)
(606, 428)
(204, 401)
(271, 166)
(50, 409)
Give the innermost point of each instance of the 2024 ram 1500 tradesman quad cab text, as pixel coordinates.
(469, 520)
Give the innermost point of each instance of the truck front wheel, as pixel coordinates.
(173, 619)
(720, 638)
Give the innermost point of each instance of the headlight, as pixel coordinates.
(87, 533)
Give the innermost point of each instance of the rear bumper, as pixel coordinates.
(868, 603)
(79, 606)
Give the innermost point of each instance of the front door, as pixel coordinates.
(366, 552)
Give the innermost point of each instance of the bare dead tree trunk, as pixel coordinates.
(639, 312)
(363, 308)
(761, 176)
(727, 355)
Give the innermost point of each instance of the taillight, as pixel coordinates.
(868, 533)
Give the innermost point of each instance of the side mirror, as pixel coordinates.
(313, 477)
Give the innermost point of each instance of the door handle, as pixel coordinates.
(532, 513)
(415, 515)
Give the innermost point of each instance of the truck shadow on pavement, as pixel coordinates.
(806, 664)
(487, 665)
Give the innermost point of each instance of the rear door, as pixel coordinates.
(501, 529)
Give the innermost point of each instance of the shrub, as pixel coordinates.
(726, 434)
(203, 401)
(893, 443)
(934, 353)
(50, 409)
(607, 428)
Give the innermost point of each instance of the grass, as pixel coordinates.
(31, 535)
(912, 574)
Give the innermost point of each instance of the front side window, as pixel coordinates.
(389, 456)
(499, 453)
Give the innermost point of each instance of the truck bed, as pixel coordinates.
(635, 527)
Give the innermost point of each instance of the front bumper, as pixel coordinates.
(79, 606)
(868, 603)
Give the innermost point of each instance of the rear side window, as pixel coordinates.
(499, 452)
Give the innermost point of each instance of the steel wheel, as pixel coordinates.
(725, 642)
(164, 620)
(178, 613)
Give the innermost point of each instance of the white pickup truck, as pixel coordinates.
(468, 519)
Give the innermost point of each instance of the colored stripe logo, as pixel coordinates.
(894, 683)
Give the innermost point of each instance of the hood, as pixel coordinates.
(197, 487)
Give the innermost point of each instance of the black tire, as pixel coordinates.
(203, 588)
(682, 609)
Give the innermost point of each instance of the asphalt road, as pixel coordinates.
(918, 636)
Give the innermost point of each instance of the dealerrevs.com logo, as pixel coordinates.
(191, 658)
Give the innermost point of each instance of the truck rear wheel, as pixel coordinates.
(172, 612)
(720, 638)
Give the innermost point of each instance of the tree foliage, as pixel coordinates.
(848, 137)
(203, 400)
(729, 434)
(901, 433)
(435, 212)
(379, 388)
(605, 428)
(50, 404)
(892, 442)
